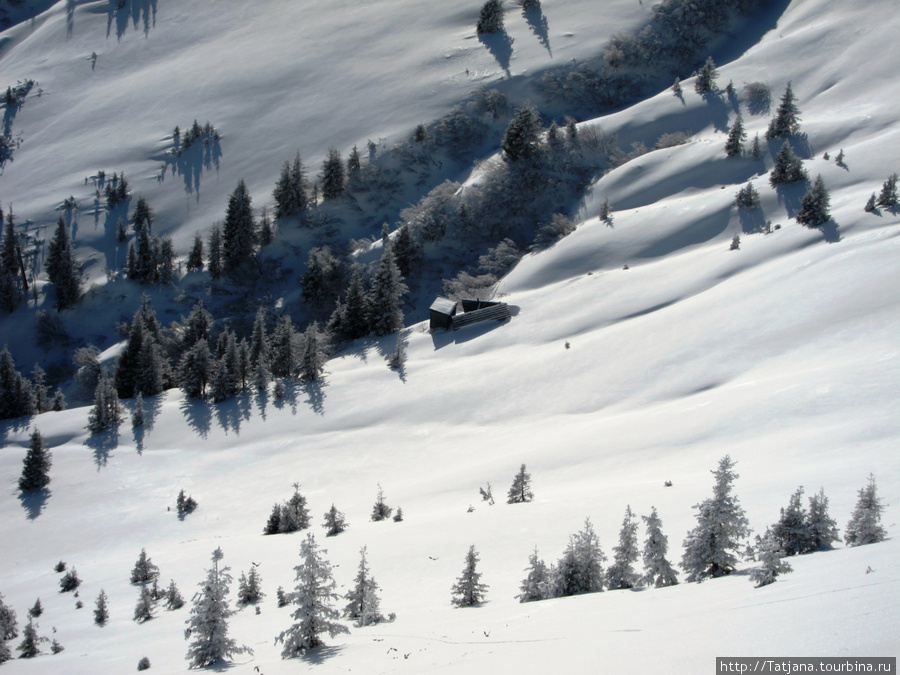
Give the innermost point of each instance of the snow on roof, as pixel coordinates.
(443, 305)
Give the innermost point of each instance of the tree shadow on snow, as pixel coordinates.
(232, 412)
(191, 163)
(320, 655)
(718, 110)
(141, 12)
(790, 196)
(102, 445)
(262, 402)
(198, 415)
(830, 231)
(500, 46)
(753, 220)
(138, 433)
(315, 396)
(539, 26)
(34, 501)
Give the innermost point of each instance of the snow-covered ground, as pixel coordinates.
(782, 353)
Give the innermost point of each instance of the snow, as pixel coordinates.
(782, 354)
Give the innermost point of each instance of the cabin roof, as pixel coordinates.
(443, 306)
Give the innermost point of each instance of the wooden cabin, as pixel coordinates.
(445, 315)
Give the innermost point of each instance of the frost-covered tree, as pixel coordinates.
(747, 197)
(888, 196)
(658, 571)
(143, 610)
(734, 144)
(39, 389)
(332, 175)
(294, 515)
(101, 609)
(520, 140)
(5, 653)
(36, 465)
(314, 595)
(215, 264)
(363, 602)
(706, 78)
(249, 587)
(334, 522)
(791, 532)
(397, 359)
(36, 609)
(865, 522)
(823, 530)
(354, 320)
(386, 297)
(490, 20)
(787, 118)
(196, 370)
(711, 548)
(184, 504)
(814, 205)
(520, 490)
(285, 348)
(238, 230)
(381, 511)
(16, 398)
(770, 555)
(621, 574)
(137, 414)
(604, 210)
(677, 91)
(537, 584)
(195, 257)
(62, 268)
(30, 645)
(315, 353)
(58, 402)
(870, 204)
(107, 411)
(290, 189)
(468, 589)
(69, 581)
(788, 167)
(580, 569)
(756, 148)
(172, 597)
(208, 623)
(144, 570)
(9, 628)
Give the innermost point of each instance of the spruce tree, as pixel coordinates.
(314, 594)
(356, 308)
(535, 586)
(101, 609)
(143, 610)
(364, 604)
(788, 167)
(142, 216)
(386, 297)
(677, 91)
(814, 205)
(9, 628)
(734, 145)
(711, 548)
(16, 397)
(468, 589)
(333, 175)
(36, 610)
(172, 597)
(381, 511)
(62, 268)
(36, 465)
(335, 522)
(30, 645)
(658, 570)
(144, 570)
(865, 522)
(195, 257)
(621, 573)
(137, 414)
(870, 204)
(706, 78)
(769, 553)
(888, 197)
(520, 490)
(196, 370)
(266, 235)
(239, 229)
(315, 353)
(491, 18)
(747, 197)
(5, 653)
(215, 264)
(787, 118)
(208, 623)
(294, 513)
(196, 326)
(580, 569)
(39, 389)
(520, 140)
(823, 530)
(791, 532)
(285, 352)
(249, 591)
(756, 148)
(259, 339)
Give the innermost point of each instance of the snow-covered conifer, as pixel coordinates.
(787, 118)
(144, 570)
(314, 594)
(195, 257)
(788, 167)
(398, 517)
(520, 140)
(468, 589)
(36, 465)
(334, 522)
(386, 297)
(706, 78)
(658, 571)
(621, 573)
(332, 175)
(249, 590)
(137, 415)
(711, 548)
(677, 91)
(16, 398)
(520, 490)
(747, 197)
(5, 653)
(143, 610)
(101, 609)
(208, 623)
(888, 196)
(356, 311)
(142, 216)
(822, 528)
(9, 628)
(364, 604)
(397, 359)
(870, 204)
(285, 353)
(865, 522)
(215, 263)
(238, 230)
(756, 148)
(315, 353)
(36, 609)
(537, 584)
(604, 210)
(69, 581)
(580, 569)
(769, 553)
(184, 504)
(294, 515)
(814, 205)
(56, 647)
(107, 411)
(172, 596)
(30, 645)
(381, 511)
(734, 145)
(281, 597)
(791, 532)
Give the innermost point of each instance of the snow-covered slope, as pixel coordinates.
(783, 354)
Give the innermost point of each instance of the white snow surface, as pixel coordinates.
(783, 354)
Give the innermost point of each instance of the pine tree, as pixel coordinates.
(791, 532)
(5, 653)
(657, 569)
(520, 140)
(706, 78)
(710, 549)
(334, 522)
(322, 272)
(208, 624)
(184, 504)
(756, 148)
(747, 197)
(36, 610)
(142, 216)
(196, 370)
(215, 264)
(604, 210)
(787, 118)
(332, 175)
(137, 415)
(101, 609)
(9, 629)
(407, 251)
(195, 257)
(62, 268)
(677, 91)
(314, 594)
(353, 167)
(397, 359)
(823, 530)
(814, 205)
(380, 511)
(290, 190)
(356, 309)
(285, 352)
(535, 586)
(249, 591)
(364, 604)
(30, 645)
(144, 570)
(58, 402)
(468, 589)
(69, 581)
(520, 490)
(580, 569)
(172, 597)
(388, 289)
(16, 397)
(36, 465)
(39, 389)
(769, 553)
(398, 517)
(865, 522)
(315, 353)
(621, 573)
(143, 610)
(888, 197)
(788, 167)
(294, 515)
(870, 204)
(734, 146)
(491, 18)
(239, 229)
(266, 235)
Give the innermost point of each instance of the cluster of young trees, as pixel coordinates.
(13, 273)
(293, 515)
(21, 396)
